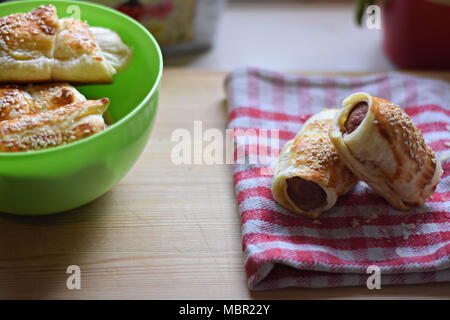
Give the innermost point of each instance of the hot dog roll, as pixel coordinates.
(54, 127)
(37, 46)
(17, 100)
(380, 144)
(310, 175)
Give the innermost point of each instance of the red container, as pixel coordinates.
(417, 33)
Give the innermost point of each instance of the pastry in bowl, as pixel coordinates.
(310, 175)
(37, 46)
(54, 127)
(40, 116)
(71, 175)
(379, 143)
(20, 100)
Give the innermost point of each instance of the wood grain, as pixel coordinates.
(164, 232)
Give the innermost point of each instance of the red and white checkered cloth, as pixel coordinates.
(285, 250)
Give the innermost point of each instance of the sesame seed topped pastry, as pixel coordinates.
(14, 102)
(37, 46)
(54, 127)
(380, 144)
(27, 42)
(53, 95)
(17, 100)
(310, 175)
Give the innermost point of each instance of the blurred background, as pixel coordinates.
(314, 35)
(290, 35)
(281, 35)
(307, 35)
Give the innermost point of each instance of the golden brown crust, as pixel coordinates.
(311, 156)
(316, 152)
(37, 47)
(76, 39)
(54, 127)
(77, 56)
(16, 31)
(388, 152)
(53, 95)
(14, 102)
(18, 100)
(398, 129)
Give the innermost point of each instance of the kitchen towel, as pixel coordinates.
(266, 109)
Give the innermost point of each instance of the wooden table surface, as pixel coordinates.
(164, 232)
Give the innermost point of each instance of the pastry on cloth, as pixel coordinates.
(53, 127)
(379, 143)
(37, 46)
(20, 100)
(310, 175)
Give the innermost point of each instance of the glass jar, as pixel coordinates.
(179, 26)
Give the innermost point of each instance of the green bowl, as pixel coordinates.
(62, 178)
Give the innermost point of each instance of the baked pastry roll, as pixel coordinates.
(53, 95)
(54, 127)
(380, 144)
(14, 102)
(37, 46)
(27, 42)
(114, 51)
(17, 100)
(309, 175)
